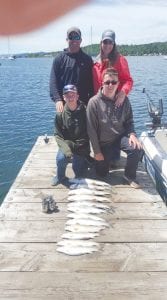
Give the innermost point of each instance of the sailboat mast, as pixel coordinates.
(91, 40)
(10, 56)
(8, 46)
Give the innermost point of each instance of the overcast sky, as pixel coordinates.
(134, 21)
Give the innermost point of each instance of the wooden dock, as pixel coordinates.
(132, 261)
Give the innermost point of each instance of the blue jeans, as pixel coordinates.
(79, 165)
(133, 157)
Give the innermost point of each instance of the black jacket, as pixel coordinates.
(72, 68)
(71, 132)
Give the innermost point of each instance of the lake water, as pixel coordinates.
(26, 110)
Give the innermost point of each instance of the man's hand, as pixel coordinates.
(120, 97)
(99, 156)
(59, 106)
(134, 142)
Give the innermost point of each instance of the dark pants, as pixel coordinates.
(108, 150)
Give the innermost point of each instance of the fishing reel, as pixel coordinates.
(155, 112)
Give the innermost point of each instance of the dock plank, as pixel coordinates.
(80, 285)
(38, 179)
(51, 231)
(113, 257)
(33, 211)
(60, 192)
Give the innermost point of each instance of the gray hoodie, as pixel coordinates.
(105, 122)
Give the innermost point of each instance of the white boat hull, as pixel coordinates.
(155, 160)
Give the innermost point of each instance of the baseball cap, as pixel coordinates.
(108, 35)
(74, 29)
(69, 88)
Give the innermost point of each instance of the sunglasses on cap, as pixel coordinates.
(108, 82)
(108, 42)
(74, 37)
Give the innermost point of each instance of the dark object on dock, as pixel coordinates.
(46, 139)
(48, 204)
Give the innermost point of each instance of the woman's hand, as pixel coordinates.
(120, 97)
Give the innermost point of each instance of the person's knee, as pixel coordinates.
(61, 158)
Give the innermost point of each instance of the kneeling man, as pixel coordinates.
(71, 136)
(111, 128)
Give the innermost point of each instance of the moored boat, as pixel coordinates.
(11, 57)
(154, 142)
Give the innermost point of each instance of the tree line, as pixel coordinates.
(158, 48)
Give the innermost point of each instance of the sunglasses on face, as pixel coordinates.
(108, 82)
(74, 38)
(108, 42)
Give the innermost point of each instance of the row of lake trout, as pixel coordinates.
(87, 199)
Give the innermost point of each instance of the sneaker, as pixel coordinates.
(48, 204)
(132, 182)
(56, 180)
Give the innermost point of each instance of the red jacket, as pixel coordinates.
(121, 65)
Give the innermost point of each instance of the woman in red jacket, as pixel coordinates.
(110, 57)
